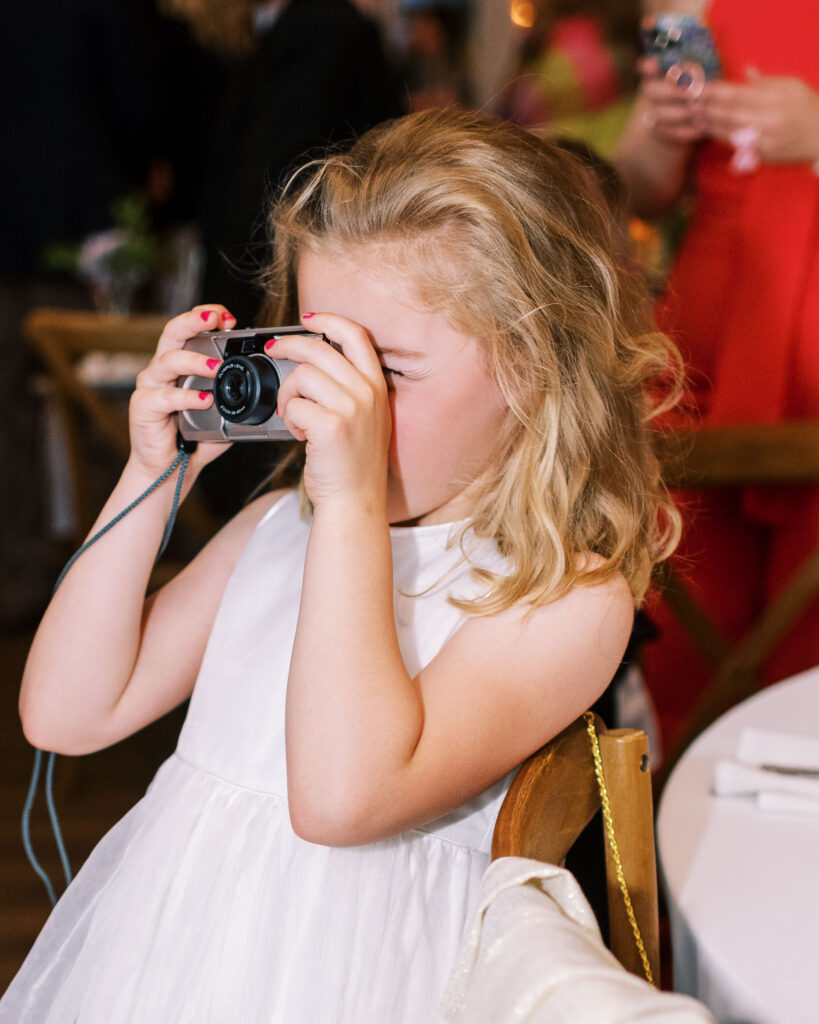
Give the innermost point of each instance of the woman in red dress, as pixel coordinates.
(742, 302)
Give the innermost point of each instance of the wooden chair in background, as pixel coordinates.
(62, 338)
(785, 453)
(555, 794)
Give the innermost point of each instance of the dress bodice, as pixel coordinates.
(235, 724)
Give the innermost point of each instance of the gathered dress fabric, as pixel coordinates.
(202, 906)
(742, 303)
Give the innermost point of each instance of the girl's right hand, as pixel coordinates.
(671, 113)
(157, 399)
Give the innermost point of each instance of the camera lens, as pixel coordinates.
(236, 388)
(246, 388)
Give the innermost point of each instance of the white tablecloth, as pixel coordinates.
(743, 885)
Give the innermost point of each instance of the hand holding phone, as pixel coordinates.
(683, 48)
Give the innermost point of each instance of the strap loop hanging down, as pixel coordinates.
(181, 461)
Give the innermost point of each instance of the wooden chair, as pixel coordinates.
(555, 794)
(785, 453)
(62, 338)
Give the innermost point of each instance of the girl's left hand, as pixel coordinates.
(339, 405)
(783, 113)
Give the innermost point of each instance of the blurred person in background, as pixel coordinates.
(434, 70)
(302, 76)
(742, 303)
(573, 73)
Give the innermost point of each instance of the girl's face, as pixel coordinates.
(447, 411)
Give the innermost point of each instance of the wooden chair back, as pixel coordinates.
(62, 338)
(757, 455)
(554, 796)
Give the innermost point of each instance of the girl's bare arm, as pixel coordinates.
(371, 751)
(104, 662)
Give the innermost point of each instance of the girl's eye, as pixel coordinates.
(389, 370)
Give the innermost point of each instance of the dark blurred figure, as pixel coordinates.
(78, 112)
(303, 75)
(434, 74)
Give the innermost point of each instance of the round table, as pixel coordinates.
(742, 884)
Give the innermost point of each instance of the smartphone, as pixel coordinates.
(683, 47)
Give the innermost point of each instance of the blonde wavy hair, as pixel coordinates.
(510, 238)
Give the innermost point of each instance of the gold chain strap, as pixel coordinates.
(609, 826)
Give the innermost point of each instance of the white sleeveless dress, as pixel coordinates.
(202, 906)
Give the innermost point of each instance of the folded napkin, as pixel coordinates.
(731, 778)
(788, 803)
(780, 749)
(768, 767)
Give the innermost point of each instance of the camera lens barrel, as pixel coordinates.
(246, 389)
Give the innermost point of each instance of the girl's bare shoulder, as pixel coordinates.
(505, 684)
(603, 610)
(571, 645)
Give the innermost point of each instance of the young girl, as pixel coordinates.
(368, 660)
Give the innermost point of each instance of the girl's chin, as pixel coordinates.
(399, 512)
(417, 508)
(399, 515)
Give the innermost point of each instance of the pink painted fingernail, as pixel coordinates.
(270, 344)
(306, 316)
(205, 316)
(203, 395)
(228, 316)
(213, 363)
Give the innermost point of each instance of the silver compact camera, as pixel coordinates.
(245, 390)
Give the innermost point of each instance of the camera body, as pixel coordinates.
(245, 389)
(683, 47)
